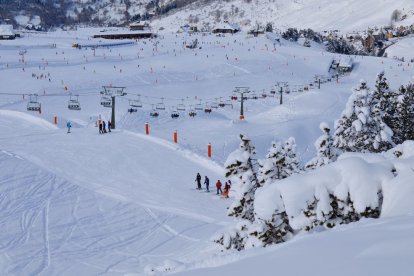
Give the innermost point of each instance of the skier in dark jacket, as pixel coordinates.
(109, 126)
(198, 179)
(100, 127)
(218, 186)
(226, 190)
(103, 127)
(207, 183)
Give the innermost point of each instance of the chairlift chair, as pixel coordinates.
(207, 109)
(160, 105)
(181, 106)
(264, 95)
(192, 113)
(73, 103)
(106, 101)
(254, 96)
(198, 106)
(234, 97)
(132, 110)
(175, 114)
(135, 103)
(154, 113)
(273, 91)
(214, 104)
(33, 104)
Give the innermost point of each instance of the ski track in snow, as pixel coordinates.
(113, 204)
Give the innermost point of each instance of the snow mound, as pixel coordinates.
(365, 181)
(26, 120)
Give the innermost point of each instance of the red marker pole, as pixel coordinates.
(55, 120)
(175, 137)
(146, 128)
(209, 150)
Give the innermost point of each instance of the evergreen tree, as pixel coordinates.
(361, 128)
(326, 152)
(280, 162)
(240, 165)
(404, 115)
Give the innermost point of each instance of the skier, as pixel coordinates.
(100, 127)
(109, 126)
(218, 186)
(198, 179)
(207, 183)
(103, 127)
(226, 190)
(68, 125)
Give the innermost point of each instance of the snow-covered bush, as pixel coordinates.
(326, 152)
(280, 162)
(361, 128)
(357, 185)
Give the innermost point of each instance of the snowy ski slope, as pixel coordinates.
(84, 203)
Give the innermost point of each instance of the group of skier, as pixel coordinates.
(219, 185)
(103, 125)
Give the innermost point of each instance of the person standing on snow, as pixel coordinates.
(226, 190)
(109, 126)
(218, 186)
(207, 183)
(100, 127)
(103, 127)
(68, 125)
(198, 179)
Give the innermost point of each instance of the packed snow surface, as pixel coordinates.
(124, 202)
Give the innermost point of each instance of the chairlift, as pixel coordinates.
(160, 105)
(221, 103)
(33, 104)
(234, 97)
(254, 96)
(207, 109)
(106, 101)
(135, 103)
(198, 106)
(132, 110)
(73, 103)
(214, 104)
(272, 91)
(181, 106)
(264, 95)
(154, 113)
(192, 113)
(175, 114)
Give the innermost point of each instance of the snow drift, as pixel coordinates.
(367, 185)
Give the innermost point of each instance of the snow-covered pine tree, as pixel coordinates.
(403, 118)
(239, 165)
(280, 162)
(326, 152)
(361, 128)
(384, 99)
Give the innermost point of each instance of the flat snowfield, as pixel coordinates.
(125, 202)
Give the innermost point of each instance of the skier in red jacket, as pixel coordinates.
(218, 186)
